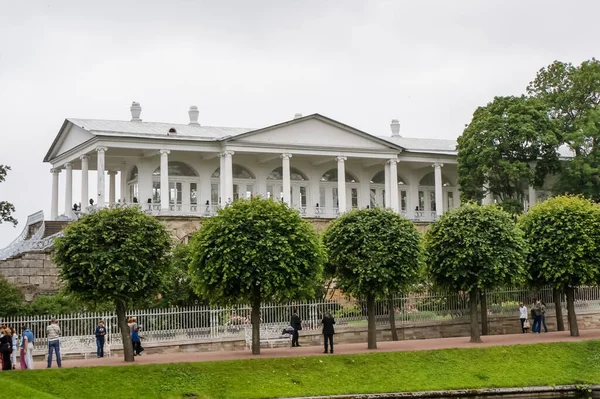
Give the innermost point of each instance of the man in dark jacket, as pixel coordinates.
(328, 331)
(296, 322)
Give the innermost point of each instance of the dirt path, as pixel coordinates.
(342, 349)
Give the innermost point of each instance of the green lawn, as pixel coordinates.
(520, 365)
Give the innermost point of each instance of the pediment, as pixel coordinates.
(315, 132)
(69, 137)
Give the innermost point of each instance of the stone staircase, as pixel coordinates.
(54, 226)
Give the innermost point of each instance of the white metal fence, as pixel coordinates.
(199, 323)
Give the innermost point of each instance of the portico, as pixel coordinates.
(317, 165)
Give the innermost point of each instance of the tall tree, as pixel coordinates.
(572, 96)
(510, 143)
(472, 249)
(373, 253)
(563, 234)
(116, 255)
(256, 250)
(6, 208)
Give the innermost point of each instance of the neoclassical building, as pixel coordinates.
(317, 165)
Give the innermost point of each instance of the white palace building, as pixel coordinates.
(317, 165)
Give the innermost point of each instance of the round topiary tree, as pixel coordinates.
(373, 253)
(116, 255)
(472, 249)
(563, 234)
(255, 250)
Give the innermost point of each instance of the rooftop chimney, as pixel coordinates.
(136, 110)
(297, 115)
(395, 125)
(193, 113)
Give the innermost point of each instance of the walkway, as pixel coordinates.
(342, 349)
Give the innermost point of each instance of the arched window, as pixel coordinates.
(295, 174)
(177, 168)
(429, 180)
(238, 172)
(379, 178)
(332, 176)
(134, 173)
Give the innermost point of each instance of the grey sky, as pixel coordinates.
(255, 63)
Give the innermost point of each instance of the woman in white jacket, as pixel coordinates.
(523, 317)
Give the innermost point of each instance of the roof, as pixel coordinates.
(155, 129)
(425, 145)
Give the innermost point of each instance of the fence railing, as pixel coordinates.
(199, 323)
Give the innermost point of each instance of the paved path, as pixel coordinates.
(388, 346)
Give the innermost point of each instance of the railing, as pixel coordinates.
(208, 323)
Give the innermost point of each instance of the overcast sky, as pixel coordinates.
(256, 63)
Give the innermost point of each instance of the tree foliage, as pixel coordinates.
(510, 143)
(117, 255)
(6, 208)
(563, 234)
(13, 302)
(373, 253)
(572, 96)
(472, 249)
(178, 290)
(255, 250)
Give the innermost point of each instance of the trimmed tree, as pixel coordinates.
(255, 250)
(119, 255)
(373, 253)
(563, 234)
(472, 249)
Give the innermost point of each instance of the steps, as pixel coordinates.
(54, 226)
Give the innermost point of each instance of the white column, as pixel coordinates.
(68, 188)
(228, 164)
(393, 166)
(123, 183)
(287, 184)
(222, 201)
(112, 187)
(386, 186)
(100, 168)
(532, 196)
(341, 167)
(54, 206)
(84, 182)
(439, 193)
(164, 179)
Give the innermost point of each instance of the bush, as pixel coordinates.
(13, 302)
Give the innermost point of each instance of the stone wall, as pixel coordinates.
(33, 272)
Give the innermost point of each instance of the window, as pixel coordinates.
(303, 196)
(236, 192)
(269, 191)
(193, 193)
(295, 174)
(403, 200)
(373, 198)
(322, 202)
(379, 178)
(156, 192)
(421, 201)
(177, 168)
(214, 194)
(175, 193)
(383, 198)
(450, 200)
(429, 180)
(332, 176)
(238, 172)
(336, 202)
(354, 197)
(248, 190)
(133, 192)
(133, 174)
(432, 200)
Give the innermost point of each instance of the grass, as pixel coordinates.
(509, 366)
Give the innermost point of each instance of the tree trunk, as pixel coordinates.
(372, 328)
(392, 316)
(475, 337)
(255, 320)
(571, 316)
(484, 314)
(560, 323)
(125, 333)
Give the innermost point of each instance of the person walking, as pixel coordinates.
(523, 316)
(100, 334)
(15, 341)
(134, 329)
(296, 322)
(543, 317)
(536, 313)
(6, 348)
(53, 335)
(328, 331)
(27, 341)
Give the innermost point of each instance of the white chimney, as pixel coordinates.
(297, 115)
(395, 125)
(136, 110)
(194, 113)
